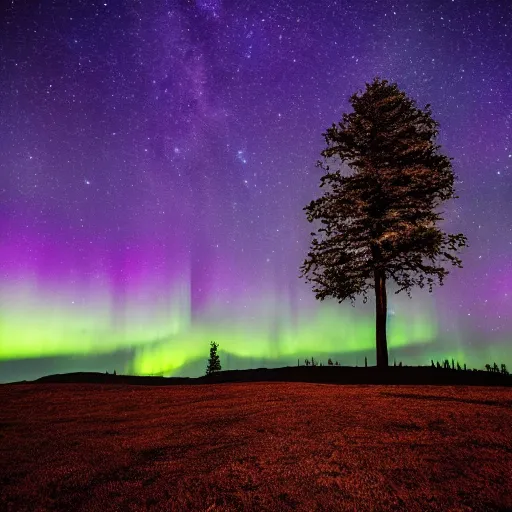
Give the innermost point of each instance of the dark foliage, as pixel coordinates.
(380, 222)
(214, 361)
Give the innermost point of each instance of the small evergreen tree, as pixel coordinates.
(214, 361)
(329, 362)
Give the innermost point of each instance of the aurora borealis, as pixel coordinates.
(155, 158)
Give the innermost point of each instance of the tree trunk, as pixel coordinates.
(381, 317)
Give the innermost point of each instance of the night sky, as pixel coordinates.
(155, 158)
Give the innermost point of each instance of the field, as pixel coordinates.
(255, 446)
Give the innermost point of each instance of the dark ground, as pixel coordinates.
(424, 375)
(255, 446)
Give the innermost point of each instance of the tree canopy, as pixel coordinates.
(380, 221)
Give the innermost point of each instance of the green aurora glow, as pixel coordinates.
(163, 339)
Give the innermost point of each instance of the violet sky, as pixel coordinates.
(144, 144)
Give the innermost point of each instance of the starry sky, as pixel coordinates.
(155, 158)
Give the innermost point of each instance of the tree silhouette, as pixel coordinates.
(379, 222)
(214, 361)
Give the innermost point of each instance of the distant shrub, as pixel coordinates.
(497, 369)
(329, 362)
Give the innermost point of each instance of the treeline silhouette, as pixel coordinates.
(445, 365)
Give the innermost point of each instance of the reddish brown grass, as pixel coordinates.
(258, 446)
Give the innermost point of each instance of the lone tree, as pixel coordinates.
(379, 222)
(214, 361)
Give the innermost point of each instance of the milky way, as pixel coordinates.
(155, 158)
